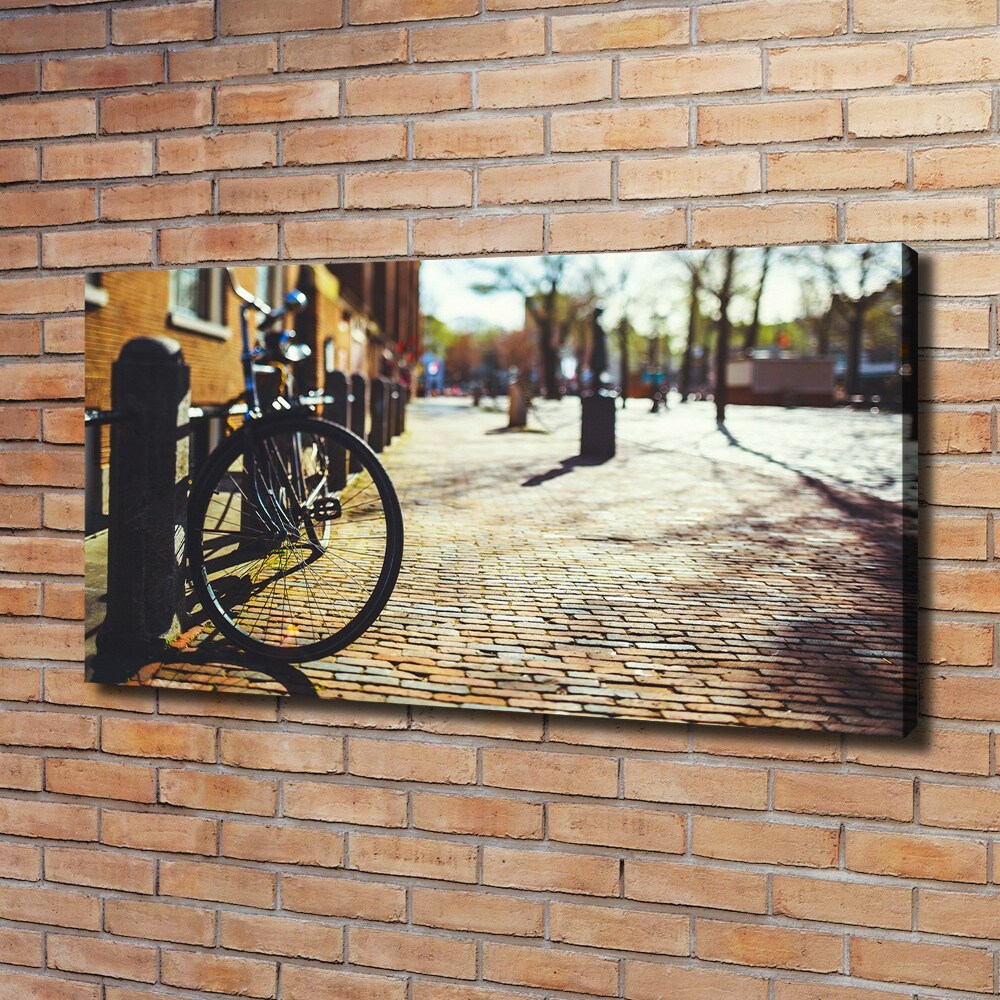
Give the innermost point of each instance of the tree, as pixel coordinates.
(724, 294)
(697, 266)
(753, 330)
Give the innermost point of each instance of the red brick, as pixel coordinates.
(964, 914)
(408, 93)
(617, 230)
(541, 85)
(562, 773)
(836, 67)
(717, 71)
(98, 957)
(270, 751)
(18, 598)
(753, 225)
(219, 242)
(342, 237)
(18, 251)
(97, 248)
(471, 235)
(20, 947)
(336, 51)
(159, 922)
(412, 761)
(958, 643)
(178, 22)
(616, 928)
(21, 771)
(550, 968)
(550, 871)
(21, 862)
(300, 982)
(752, 19)
(922, 963)
(380, 11)
(732, 787)
(30, 905)
(282, 844)
(827, 794)
(349, 898)
(908, 855)
(223, 63)
(838, 902)
(226, 151)
(466, 138)
(919, 114)
(478, 815)
(478, 912)
(408, 189)
(48, 729)
(31, 987)
(159, 831)
(156, 201)
(626, 30)
(961, 807)
(40, 295)
(766, 843)
(282, 936)
(243, 977)
(957, 537)
(250, 17)
(480, 42)
(156, 111)
(278, 102)
(413, 952)
(47, 208)
(174, 740)
(645, 981)
(418, 857)
(99, 779)
(102, 869)
(218, 883)
(768, 947)
(102, 72)
(770, 121)
(684, 884)
(341, 803)
(915, 15)
(50, 31)
(836, 170)
(218, 792)
(353, 143)
(622, 128)
(544, 182)
(68, 687)
(19, 78)
(18, 163)
(62, 425)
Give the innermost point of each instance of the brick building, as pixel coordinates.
(361, 318)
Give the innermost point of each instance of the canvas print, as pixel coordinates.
(675, 486)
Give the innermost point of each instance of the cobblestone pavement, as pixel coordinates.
(749, 576)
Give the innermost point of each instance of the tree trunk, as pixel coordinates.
(684, 382)
(623, 357)
(722, 341)
(753, 331)
(854, 337)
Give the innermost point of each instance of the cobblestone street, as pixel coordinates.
(749, 576)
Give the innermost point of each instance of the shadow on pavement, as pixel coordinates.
(566, 466)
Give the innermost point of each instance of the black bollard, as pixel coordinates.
(337, 411)
(147, 505)
(597, 427)
(378, 407)
(359, 411)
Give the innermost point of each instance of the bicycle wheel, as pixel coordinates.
(291, 556)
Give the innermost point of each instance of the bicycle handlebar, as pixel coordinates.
(294, 300)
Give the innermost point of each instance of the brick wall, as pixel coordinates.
(182, 846)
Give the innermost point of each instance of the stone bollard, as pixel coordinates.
(597, 426)
(379, 407)
(338, 412)
(147, 506)
(392, 424)
(404, 401)
(359, 412)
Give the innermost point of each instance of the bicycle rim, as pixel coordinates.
(291, 555)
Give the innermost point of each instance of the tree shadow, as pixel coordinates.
(566, 466)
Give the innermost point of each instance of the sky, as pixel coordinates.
(651, 286)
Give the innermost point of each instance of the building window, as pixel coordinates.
(270, 282)
(197, 301)
(94, 292)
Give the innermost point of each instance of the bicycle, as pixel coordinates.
(295, 533)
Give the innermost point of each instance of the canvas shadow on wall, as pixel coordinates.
(673, 486)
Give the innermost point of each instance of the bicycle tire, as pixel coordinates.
(248, 448)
